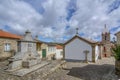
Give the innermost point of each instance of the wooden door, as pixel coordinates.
(43, 53)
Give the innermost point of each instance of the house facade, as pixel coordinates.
(80, 49)
(59, 52)
(118, 37)
(8, 44)
(46, 50)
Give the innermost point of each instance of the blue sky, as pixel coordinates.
(57, 20)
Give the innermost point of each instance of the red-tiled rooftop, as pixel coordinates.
(5, 34)
(59, 47)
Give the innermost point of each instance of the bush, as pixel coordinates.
(116, 52)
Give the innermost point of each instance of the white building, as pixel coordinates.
(59, 52)
(75, 49)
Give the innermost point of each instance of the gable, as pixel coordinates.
(82, 39)
(77, 42)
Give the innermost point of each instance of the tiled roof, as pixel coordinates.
(117, 33)
(59, 47)
(5, 34)
(81, 38)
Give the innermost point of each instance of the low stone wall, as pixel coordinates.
(117, 67)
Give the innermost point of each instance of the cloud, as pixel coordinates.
(18, 15)
(58, 19)
(91, 17)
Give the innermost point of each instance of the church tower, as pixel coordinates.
(106, 42)
(105, 35)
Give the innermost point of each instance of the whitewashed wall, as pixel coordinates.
(74, 50)
(96, 52)
(58, 54)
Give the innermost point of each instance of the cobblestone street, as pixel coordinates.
(101, 70)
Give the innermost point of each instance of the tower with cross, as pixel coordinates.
(105, 35)
(106, 42)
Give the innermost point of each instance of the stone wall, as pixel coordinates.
(25, 48)
(108, 52)
(118, 38)
(3, 53)
(44, 46)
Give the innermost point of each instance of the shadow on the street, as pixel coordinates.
(93, 72)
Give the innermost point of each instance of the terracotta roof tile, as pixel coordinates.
(5, 34)
(59, 47)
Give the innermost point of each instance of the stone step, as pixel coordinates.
(24, 71)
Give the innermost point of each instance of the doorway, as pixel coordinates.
(43, 53)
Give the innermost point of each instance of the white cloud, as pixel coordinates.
(90, 16)
(18, 14)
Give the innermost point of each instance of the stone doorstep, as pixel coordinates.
(24, 71)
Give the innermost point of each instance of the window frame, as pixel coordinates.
(7, 47)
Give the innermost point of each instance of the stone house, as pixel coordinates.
(8, 44)
(118, 37)
(48, 50)
(81, 49)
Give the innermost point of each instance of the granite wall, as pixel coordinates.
(13, 48)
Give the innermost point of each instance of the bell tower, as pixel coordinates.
(106, 42)
(105, 35)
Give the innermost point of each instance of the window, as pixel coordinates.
(105, 37)
(7, 47)
(51, 49)
(19, 46)
(104, 49)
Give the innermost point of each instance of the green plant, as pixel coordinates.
(116, 52)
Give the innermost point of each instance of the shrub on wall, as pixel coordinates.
(116, 52)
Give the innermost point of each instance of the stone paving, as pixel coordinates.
(38, 74)
(24, 71)
(101, 70)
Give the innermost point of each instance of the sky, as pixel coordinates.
(57, 20)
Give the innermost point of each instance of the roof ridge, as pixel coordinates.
(6, 34)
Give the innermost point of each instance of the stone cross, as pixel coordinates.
(77, 31)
